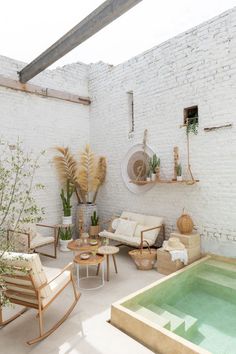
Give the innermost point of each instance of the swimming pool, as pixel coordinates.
(190, 311)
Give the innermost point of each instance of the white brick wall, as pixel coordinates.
(43, 123)
(194, 68)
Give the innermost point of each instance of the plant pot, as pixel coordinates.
(94, 230)
(179, 178)
(63, 245)
(66, 220)
(153, 177)
(84, 211)
(148, 179)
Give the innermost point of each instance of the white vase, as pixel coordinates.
(66, 220)
(153, 177)
(63, 245)
(179, 178)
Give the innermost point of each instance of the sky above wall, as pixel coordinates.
(29, 27)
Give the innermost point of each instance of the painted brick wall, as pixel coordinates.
(43, 123)
(195, 68)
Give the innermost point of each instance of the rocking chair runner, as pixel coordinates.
(29, 285)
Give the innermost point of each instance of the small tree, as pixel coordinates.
(17, 201)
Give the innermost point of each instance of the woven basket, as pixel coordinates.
(144, 258)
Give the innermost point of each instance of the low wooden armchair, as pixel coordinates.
(33, 286)
(31, 240)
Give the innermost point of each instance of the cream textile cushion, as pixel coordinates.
(126, 227)
(40, 240)
(152, 234)
(32, 262)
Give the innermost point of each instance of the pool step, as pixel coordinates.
(222, 265)
(190, 321)
(151, 316)
(177, 324)
(217, 279)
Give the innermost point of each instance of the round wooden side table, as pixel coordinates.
(108, 251)
(94, 260)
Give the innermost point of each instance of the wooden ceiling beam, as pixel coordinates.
(106, 13)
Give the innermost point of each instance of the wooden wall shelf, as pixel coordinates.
(142, 183)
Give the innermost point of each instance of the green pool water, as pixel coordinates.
(199, 305)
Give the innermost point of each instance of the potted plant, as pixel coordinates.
(66, 197)
(154, 164)
(179, 172)
(65, 236)
(95, 227)
(148, 178)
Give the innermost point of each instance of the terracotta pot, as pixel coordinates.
(94, 230)
(185, 224)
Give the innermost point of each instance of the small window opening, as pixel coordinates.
(191, 115)
(131, 111)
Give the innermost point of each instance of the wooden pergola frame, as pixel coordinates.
(106, 13)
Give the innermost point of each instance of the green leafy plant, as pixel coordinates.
(154, 162)
(94, 219)
(65, 234)
(179, 170)
(17, 199)
(192, 125)
(66, 198)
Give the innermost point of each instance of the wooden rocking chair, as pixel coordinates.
(29, 284)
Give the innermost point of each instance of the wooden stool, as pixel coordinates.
(108, 251)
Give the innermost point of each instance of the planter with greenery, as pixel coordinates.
(179, 172)
(65, 236)
(66, 203)
(86, 174)
(95, 227)
(154, 165)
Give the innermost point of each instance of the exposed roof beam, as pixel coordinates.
(98, 19)
(43, 91)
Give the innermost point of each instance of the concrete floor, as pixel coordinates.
(86, 331)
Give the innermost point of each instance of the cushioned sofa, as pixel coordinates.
(134, 230)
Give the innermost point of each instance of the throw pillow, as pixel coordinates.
(126, 227)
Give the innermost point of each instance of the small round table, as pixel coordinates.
(96, 260)
(108, 251)
(80, 245)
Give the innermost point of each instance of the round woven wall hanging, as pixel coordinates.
(134, 166)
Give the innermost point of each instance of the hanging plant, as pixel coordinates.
(192, 125)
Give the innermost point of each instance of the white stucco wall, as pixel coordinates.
(195, 68)
(43, 123)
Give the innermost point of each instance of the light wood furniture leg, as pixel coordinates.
(107, 256)
(98, 268)
(114, 261)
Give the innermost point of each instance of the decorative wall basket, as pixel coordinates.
(135, 164)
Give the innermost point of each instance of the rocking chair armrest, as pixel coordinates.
(68, 267)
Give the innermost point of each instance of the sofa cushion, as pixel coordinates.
(41, 240)
(147, 220)
(126, 227)
(152, 234)
(131, 241)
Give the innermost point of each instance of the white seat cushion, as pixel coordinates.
(132, 241)
(56, 285)
(40, 240)
(152, 234)
(126, 227)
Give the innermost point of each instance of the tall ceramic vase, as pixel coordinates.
(84, 213)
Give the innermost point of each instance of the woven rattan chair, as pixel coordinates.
(32, 286)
